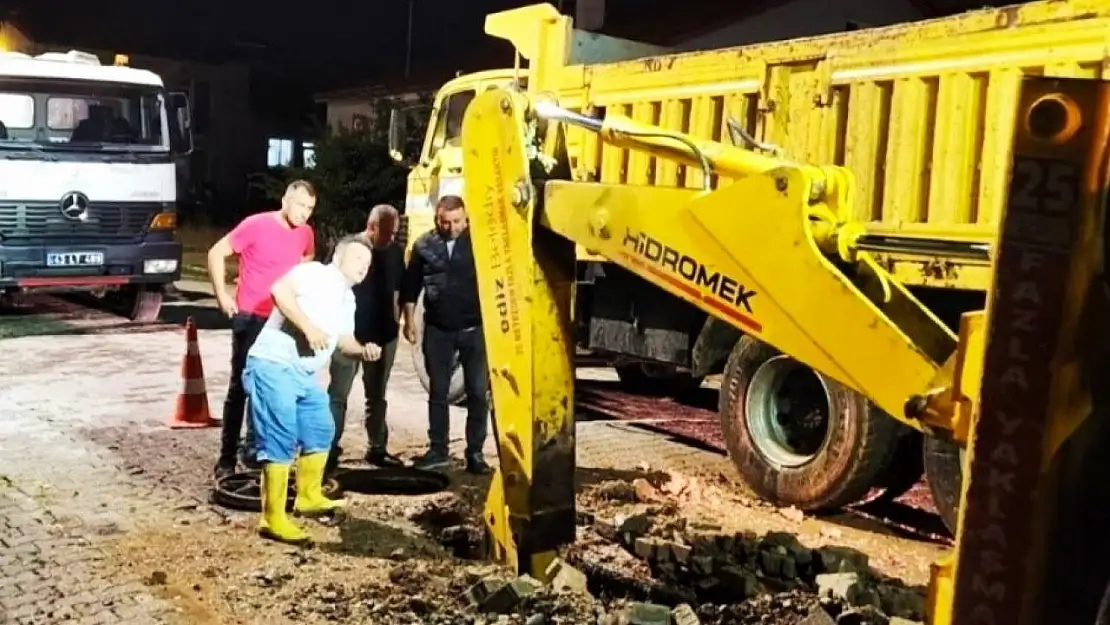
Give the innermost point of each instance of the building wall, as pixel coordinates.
(805, 18)
(360, 111)
(349, 113)
(230, 141)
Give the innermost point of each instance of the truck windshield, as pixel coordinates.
(64, 115)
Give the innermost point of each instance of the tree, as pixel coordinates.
(352, 172)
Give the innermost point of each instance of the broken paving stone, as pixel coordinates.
(701, 565)
(648, 614)
(778, 564)
(835, 585)
(644, 492)
(632, 527)
(900, 601)
(681, 553)
(506, 598)
(739, 581)
(841, 560)
(683, 614)
(863, 595)
(566, 578)
(478, 592)
(616, 490)
(606, 528)
(647, 548)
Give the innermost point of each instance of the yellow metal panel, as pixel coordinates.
(907, 176)
(701, 125)
(998, 133)
(956, 131)
(680, 241)
(866, 145)
(921, 113)
(666, 170)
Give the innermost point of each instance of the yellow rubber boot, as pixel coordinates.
(310, 499)
(274, 492)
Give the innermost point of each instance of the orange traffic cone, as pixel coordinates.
(192, 403)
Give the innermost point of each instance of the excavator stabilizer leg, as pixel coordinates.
(526, 281)
(1032, 544)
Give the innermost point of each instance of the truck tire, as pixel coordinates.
(944, 469)
(906, 466)
(457, 393)
(824, 456)
(141, 304)
(656, 380)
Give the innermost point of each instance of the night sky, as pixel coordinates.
(334, 43)
(327, 41)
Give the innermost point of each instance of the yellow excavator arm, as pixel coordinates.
(776, 255)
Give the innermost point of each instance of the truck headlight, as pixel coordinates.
(159, 265)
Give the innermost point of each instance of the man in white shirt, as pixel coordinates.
(314, 314)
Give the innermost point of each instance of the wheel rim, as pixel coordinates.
(787, 411)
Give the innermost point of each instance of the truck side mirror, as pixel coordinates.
(180, 115)
(398, 132)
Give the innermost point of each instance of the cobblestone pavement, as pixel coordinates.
(86, 457)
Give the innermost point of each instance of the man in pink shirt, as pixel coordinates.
(268, 245)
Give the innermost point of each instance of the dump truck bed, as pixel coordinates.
(921, 113)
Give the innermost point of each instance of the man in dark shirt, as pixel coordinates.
(376, 321)
(442, 265)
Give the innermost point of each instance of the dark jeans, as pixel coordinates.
(375, 377)
(244, 331)
(440, 347)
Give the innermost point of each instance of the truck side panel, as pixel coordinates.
(922, 114)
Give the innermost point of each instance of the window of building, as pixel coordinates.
(308, 153)
(279, 153)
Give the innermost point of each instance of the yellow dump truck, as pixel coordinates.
(922, 114)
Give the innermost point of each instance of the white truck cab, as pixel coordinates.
(88, 178)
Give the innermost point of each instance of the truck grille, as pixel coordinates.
(105, 221)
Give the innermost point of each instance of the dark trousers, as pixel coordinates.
(440, 347)
(244, 331)
(375, 377)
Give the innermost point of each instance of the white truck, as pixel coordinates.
(89, 155)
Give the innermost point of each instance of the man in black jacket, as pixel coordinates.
(376, 321)
(442, 266)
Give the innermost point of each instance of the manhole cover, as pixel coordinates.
(240, 491)
(393, 481)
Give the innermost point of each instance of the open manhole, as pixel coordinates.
(240, 491)
(392, 481)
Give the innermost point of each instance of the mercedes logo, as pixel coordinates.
(74, 206)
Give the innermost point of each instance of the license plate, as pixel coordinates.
(74, 259)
